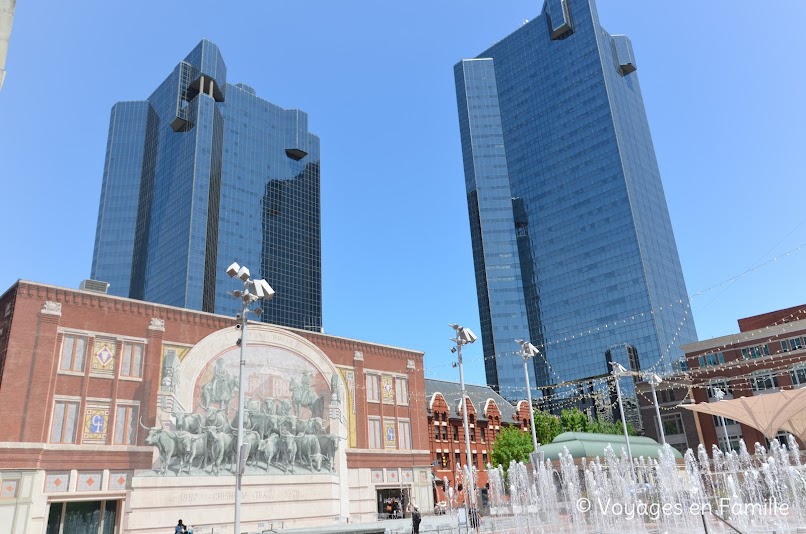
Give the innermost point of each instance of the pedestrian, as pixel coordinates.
(180, 528)
(415, 517)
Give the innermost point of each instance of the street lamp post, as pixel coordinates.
(253, 290)
(618, 371)
(654, 380)
(529, 351)
(463, 337)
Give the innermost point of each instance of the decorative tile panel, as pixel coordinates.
(103, 357)
(389, 436)
(8, 489)
(407, 476)
(392, 475)
(118, 481)
(96, 423)
(387, 389)
(377, 476)
(89, 481)
(57, 482)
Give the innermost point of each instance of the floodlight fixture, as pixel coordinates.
(463, 334)
(654, 379)
(618, 369)
(233, 269)
(243, 274)
(262, 289)
(527, 349)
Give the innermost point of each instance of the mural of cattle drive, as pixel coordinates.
(286, 420)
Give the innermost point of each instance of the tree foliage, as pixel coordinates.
(511, 444)
(548, 426)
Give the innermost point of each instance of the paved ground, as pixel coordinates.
(443, 524)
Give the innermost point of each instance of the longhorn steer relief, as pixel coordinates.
(169, 443)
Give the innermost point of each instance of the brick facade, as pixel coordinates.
(769, 354)
(63, 379)
(488, 413)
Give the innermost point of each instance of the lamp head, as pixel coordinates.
(467, 335)
(618, 369)
(655, 379)
(528, 349)
(463, 335)
(243, 274)
(233, 269)
(261, 289)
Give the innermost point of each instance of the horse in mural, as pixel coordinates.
(303, 395)
(219, 391)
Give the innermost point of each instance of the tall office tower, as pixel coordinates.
(572, 242)
(202, 174)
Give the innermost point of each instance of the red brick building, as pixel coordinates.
(80, 371)
(488, 413)
(767, 355)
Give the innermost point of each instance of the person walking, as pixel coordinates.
(180, 528)
(415, 517)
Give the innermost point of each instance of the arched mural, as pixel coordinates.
(292, 406)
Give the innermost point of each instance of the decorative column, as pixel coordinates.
(362, 440)
(44, 365)
(151, 371)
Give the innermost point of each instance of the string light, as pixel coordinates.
(687, 306)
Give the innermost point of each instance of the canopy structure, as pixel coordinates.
(797, 426)
(767, 413)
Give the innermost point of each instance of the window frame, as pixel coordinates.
(767, 377)
(404, 434)
(71, 369)
(402, 390)
(64, 420)
(134, 409)
(131, 345)
(373, 387)
(377, 435)
(677, 419)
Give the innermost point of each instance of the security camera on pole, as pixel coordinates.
(253, 290)
(463, 337)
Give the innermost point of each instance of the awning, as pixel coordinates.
(767, 413)
(797, 426)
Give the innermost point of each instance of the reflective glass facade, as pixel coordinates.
(572, 241)
(202, 174)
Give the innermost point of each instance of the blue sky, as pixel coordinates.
(722, 82)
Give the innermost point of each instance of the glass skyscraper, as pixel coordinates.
(204, 173)
(572, 241)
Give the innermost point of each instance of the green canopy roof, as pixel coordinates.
(588, 445)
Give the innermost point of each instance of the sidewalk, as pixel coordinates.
(441, 524)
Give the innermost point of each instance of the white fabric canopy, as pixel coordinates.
(797, 426)
(766, 413)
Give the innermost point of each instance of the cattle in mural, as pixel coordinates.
(276, 429)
